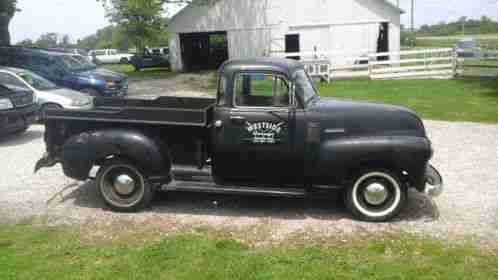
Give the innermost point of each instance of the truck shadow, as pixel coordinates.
(419, 206)
(20, 139)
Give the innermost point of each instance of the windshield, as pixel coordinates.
(304, 86)
(77, 63)
(36, 81)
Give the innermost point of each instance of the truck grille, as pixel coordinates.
(22, 98)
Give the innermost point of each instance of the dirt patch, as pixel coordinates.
(202, 84)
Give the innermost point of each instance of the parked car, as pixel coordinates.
(49, 95)
(65, 70)
(267, 133)
(109, 56)
(18, 107)
(468, 48)
(69, 51)
(151, 59)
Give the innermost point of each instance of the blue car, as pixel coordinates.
(67, 70)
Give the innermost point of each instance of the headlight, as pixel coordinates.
(6, 104)
(80, 103)
(110, 84)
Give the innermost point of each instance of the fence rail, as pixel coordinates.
(429, 63)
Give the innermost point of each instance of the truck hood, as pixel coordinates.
(102, 74)
(363, 118)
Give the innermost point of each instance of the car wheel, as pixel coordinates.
(376, 196)
(123, 186)
(45, 107)
(91, 92)
(124, 60)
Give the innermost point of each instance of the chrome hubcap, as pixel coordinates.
(124, 184)
(376, 194)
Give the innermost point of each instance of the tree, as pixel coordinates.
(48, 40)
(142, 20)
(26, 43)
(7, 10)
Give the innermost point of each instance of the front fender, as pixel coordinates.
(338, 159)
(83, 151)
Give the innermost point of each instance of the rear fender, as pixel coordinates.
(83, 151)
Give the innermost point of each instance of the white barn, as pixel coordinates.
(205, 35)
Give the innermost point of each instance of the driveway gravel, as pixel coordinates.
(466, 155)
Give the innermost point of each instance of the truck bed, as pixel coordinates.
(183, 111)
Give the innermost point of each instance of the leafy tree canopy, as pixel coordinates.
(484, 25)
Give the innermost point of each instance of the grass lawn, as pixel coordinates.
(144, 73)
(449, 100)
(27, 252)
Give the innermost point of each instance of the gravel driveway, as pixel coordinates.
(466, 155)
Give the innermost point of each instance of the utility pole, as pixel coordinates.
(413, 16)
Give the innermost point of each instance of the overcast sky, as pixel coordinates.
(80, 18)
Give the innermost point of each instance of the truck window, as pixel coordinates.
(261, 90)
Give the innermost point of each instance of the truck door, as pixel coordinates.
(254, 138)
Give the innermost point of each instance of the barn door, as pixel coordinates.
(292, 45)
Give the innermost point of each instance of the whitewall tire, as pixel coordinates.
(376, 196)
(123, 186)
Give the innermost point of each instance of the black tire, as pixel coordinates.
(124, 60)
(137, 68)
(91, 92)
(22, 131)
(376, 195)
(45, 107)
(135, 198)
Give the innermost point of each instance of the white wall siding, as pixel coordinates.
(250, 43)
(175, 53)
(223, 15)
(258, 27)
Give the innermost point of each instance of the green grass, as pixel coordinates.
(449, 100)
(144, 73)
(486, 41)
(27, 252)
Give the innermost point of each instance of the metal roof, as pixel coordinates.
(394, 6)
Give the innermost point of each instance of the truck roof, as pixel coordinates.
(283, 65)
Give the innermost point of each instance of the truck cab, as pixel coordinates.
(267, 132)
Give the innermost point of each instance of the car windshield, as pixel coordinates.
(36, 81)
(76, 63)
(304, 86)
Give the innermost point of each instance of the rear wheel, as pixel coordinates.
(123, 186)
(124, 60)
(376, 196)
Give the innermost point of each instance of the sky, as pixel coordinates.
(80, 18)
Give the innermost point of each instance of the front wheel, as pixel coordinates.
(123, 186)
(124, 60)
(376, 196)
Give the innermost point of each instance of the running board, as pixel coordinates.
(189, 186)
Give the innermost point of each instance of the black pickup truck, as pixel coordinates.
(266, 133)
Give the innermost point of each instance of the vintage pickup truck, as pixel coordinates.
(267, 133)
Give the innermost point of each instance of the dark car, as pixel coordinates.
(66, 71)
(18, 108)
(267, 133)
(151, 59)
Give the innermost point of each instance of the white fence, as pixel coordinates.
(431, 63)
